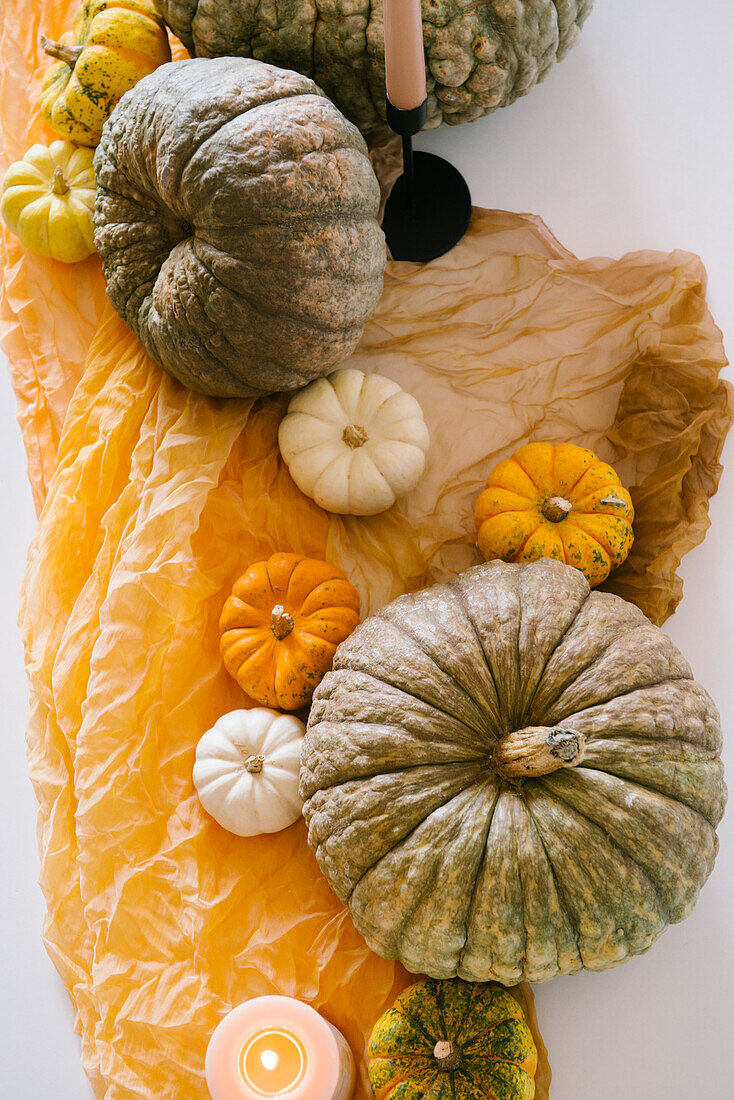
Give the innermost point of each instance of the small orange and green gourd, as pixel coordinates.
(113, 44)
(281, 625)
(453, 1040)
(556, 501)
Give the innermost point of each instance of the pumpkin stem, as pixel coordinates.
(281, 623)
(68, 54)
(354, 436)
(59, 185)
(448, 1055)
(556, 508)
(538, 750)
(254, 764)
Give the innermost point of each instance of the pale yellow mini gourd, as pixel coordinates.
(48, 201)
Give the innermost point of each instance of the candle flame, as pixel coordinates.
(273, 1062)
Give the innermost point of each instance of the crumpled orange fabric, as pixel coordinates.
(152, 500)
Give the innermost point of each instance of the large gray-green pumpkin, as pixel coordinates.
(511, 777)
(479, 56)
(237, 224)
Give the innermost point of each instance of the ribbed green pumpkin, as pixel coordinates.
(511, 777)
(479, 56)
(453, 1040)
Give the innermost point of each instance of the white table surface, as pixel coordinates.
(630, 144)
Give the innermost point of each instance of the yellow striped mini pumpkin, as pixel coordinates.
(556, 501)
(113, 45)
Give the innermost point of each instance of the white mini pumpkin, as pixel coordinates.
(246, 771)
(354, 442)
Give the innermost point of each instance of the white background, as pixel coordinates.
(629, 144)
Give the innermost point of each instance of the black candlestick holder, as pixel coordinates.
(429, 207)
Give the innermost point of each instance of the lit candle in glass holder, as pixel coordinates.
(278, 1046)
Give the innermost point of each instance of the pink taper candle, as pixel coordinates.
(405, 62)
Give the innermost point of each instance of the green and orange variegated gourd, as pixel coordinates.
(113, 45)
(556, 501)
(453, 1040)
(512, 776)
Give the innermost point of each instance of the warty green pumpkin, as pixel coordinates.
(479, 56)
(236, 219)
(453, 1040)
(512, 776)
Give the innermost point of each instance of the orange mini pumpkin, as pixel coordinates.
(556, 501)
(281, 626)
